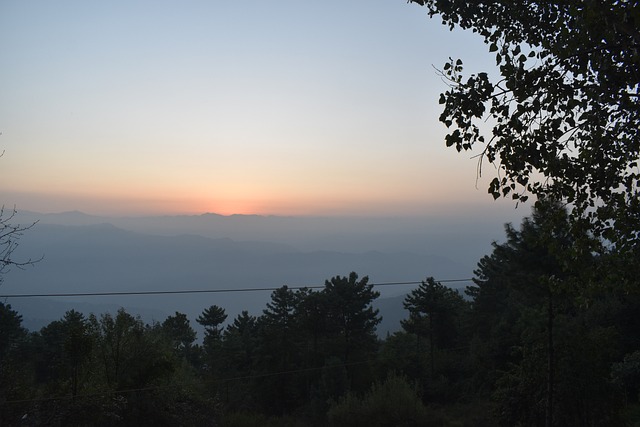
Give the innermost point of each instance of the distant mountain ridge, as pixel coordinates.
(101, 257)
(459, 240)
(121, 250)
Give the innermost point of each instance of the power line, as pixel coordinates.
(196, 291)
(205, 291)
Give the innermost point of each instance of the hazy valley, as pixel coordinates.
(85, 254)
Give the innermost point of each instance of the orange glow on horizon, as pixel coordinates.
(148, 200)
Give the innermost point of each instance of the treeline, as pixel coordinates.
(547, 335)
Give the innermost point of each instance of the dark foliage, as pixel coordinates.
(564, 108)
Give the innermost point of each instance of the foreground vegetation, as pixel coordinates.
(544, 334)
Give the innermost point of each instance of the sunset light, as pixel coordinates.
(227, 115)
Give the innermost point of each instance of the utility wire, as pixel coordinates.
(206, 291)
(196, 291)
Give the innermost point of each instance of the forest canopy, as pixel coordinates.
(518, 347)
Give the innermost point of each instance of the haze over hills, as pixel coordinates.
(86, 253)
(464, 236)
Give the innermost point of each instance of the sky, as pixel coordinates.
(282, 108)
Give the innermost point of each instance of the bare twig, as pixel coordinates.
(10, 235)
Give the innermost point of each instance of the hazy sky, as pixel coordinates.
(281, 107)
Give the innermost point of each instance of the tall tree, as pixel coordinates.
(280, 350)
(13, 372)
(535, 331)
(564, 104)
(311, 317)
(78, 344)
(240, 351)
(351, 322)
(531, 262)
(180, 332)
(212, 319)
(279, 313)
(64, 347)
(11, 330)
(350, 314)
(433, 309)
(240, 343)
(121, 346)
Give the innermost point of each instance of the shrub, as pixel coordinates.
(394, 402)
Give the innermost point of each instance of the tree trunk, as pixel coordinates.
(550, 363)
(433, 369)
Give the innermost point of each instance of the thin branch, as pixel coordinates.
(9, 236)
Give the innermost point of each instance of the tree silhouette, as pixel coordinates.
(180, 332)
(212, 319)
(533, 320)
(564, 106)
(350, 315)
(433, 308)
(10, 234)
